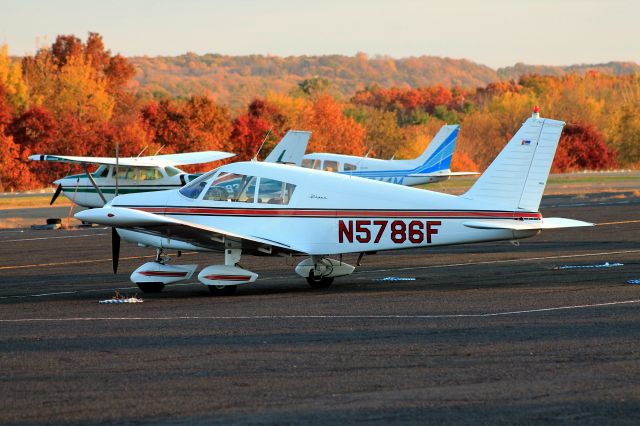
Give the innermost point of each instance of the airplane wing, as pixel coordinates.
(172, 228)
(151, 161)
(520, 225)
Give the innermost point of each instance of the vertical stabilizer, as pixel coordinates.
(438, 154)
(517, 177)
(290, 149)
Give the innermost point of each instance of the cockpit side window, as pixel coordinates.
(101, 172)
(330, 166)
(150, 173)
(232, 187)
(194, 189)
(273, 191)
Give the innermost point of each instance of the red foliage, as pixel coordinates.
(35, 131)
(582, 147)
(250, 129)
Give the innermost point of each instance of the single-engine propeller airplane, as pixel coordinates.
(152, 173)
(432, 166)
(274, 209)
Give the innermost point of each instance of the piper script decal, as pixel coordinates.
(399, 231)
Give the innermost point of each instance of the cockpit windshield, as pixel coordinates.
(194, 188)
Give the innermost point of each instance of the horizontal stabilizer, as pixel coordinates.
(444, 174)
(520, 225)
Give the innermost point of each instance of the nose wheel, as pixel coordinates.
(222, 290)
(150, 287)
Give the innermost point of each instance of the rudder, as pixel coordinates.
(516, 179)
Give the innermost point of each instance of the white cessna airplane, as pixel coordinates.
(153, 173)
(432, 166)
(274, 209)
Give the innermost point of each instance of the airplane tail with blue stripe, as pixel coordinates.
(437, 156)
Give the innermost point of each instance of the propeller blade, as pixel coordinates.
(115, 249)
(56, 194)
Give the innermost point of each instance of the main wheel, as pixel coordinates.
(222, 290)
(319, 282)
(151, 287)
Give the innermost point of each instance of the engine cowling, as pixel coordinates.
(154, 272)
(223, 275)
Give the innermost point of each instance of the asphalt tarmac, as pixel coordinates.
(484, 334)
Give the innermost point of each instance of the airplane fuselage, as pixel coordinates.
(79, 189)
(311, 223)
(390, 171)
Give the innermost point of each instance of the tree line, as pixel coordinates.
(77, 98)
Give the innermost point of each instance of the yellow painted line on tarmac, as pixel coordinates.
(78, 262)
(622, 222)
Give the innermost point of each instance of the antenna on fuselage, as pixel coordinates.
(117, 166)
(255, 157)
(158, 151)
(143, 150)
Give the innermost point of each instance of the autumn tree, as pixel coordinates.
(582, 147)
(14, 174)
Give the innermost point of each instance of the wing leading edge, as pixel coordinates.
(151, 161)
(172, 228)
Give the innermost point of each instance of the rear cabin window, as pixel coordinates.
(330, 166)
(307, 163)
(273, 191)
(232, 187)
(349, 167)
(172, 171)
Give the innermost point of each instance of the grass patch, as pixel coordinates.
(39, 200)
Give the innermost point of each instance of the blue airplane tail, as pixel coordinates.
(438, 154)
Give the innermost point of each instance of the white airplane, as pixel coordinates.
(153, 173)
(274, 209)
(432, 166)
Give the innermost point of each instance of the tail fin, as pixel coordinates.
(438, 154)
(517, 177)
(290, 149)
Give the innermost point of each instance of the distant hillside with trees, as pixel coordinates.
(235, 80)
(76, 97)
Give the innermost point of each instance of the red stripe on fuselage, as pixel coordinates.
(204, 211)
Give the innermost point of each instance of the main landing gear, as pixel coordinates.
(320, 271)
(222, 280)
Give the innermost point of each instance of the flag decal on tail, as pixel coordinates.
(525, 142)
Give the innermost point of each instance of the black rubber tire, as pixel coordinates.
(54, 221)
(150, 287)
(222, 290)
(319, 282)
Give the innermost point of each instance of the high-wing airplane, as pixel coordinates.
(274, 209)
(152, 173)
(432, 166)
